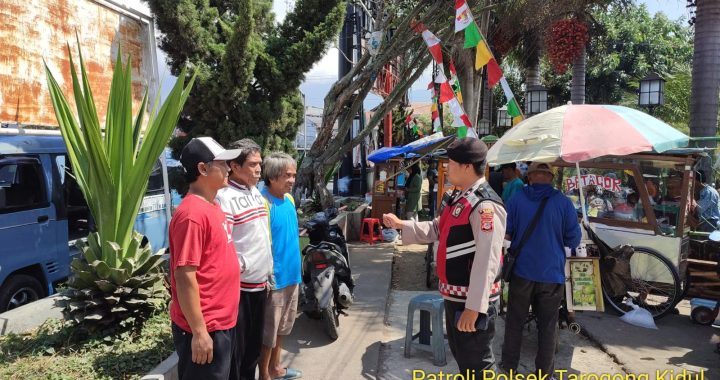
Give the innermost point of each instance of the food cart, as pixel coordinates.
(386, 192)
(626, 196)
(644, 200)
(390, 164)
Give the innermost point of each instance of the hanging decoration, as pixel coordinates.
(464, 21)
(447, 94)
(565, 42)
(434, 114)
(455, 82)
(411, 123)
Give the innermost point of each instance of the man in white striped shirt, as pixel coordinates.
(246, 211)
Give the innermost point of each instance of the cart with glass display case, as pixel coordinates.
(385, 189)
(641, 200)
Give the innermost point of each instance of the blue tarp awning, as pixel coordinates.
(419, 147)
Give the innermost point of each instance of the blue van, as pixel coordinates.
(43, 211)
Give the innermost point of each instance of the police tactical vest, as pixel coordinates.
(456, 249)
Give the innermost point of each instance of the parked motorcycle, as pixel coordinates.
(326, 290)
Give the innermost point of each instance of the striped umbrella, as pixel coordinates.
(577, 133)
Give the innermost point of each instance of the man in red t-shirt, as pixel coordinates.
(204, 270)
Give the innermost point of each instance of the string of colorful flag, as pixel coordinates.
(450, 92)
(464, 21)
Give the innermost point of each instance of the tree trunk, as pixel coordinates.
(465, 65)
(470, 79)
(533, 74)
(577, 91)
(346, 96)
(706, 75)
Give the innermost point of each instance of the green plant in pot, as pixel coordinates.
(115, 277)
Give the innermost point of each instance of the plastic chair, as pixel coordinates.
(431, 337)
(370, 230)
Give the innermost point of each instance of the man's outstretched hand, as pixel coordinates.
(392, 221)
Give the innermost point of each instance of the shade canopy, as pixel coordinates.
(576, 133)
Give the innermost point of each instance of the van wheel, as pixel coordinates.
(18, 290)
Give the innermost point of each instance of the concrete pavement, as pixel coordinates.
(355, 354)
(677, 345)
(371, 338)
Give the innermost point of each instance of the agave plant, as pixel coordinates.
(115, 276)
(104, 292)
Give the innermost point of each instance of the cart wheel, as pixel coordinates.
(702, 316)
(575, 328)
(654, 286)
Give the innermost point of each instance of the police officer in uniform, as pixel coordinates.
(470, 232)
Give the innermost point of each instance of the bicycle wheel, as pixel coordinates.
(655, 284)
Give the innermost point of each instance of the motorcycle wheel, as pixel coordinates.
(330, 320)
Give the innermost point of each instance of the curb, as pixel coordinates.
(166, 370)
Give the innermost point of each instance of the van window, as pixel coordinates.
(80, 221)
(21, 185)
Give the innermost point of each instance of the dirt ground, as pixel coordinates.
(408, 270)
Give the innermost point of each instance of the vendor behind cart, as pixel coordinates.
(707, 207)
(470, 233)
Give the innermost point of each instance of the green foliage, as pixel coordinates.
(401, 133)
(112, 165)
(627, 44)
(248, 68)
(630, 44)
(57, 351)
(676, 110)
(114, 278)
(425, 122)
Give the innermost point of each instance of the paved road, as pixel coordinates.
(355, 354)
(677, 344)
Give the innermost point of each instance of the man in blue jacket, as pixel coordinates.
(538, 277)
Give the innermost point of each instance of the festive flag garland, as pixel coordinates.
(447, 93)
(464, 21)
(455, 82)
(482, 55)
(411, 123)
(450, 92)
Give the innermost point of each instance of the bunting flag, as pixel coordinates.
(506, 88)
(513, 108)
(470, 132)
(455, 83)
(446, 92)
(440, 74)
(462, 132)
(464, 21)
(482, 55)
(460, 119)
(435, 115)
(411, 123)
(433, 44)
(494, 73)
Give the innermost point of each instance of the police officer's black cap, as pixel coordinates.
(467, 150)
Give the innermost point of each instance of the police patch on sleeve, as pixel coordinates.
(486, 219)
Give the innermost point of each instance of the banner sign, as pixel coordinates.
(607, 183)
